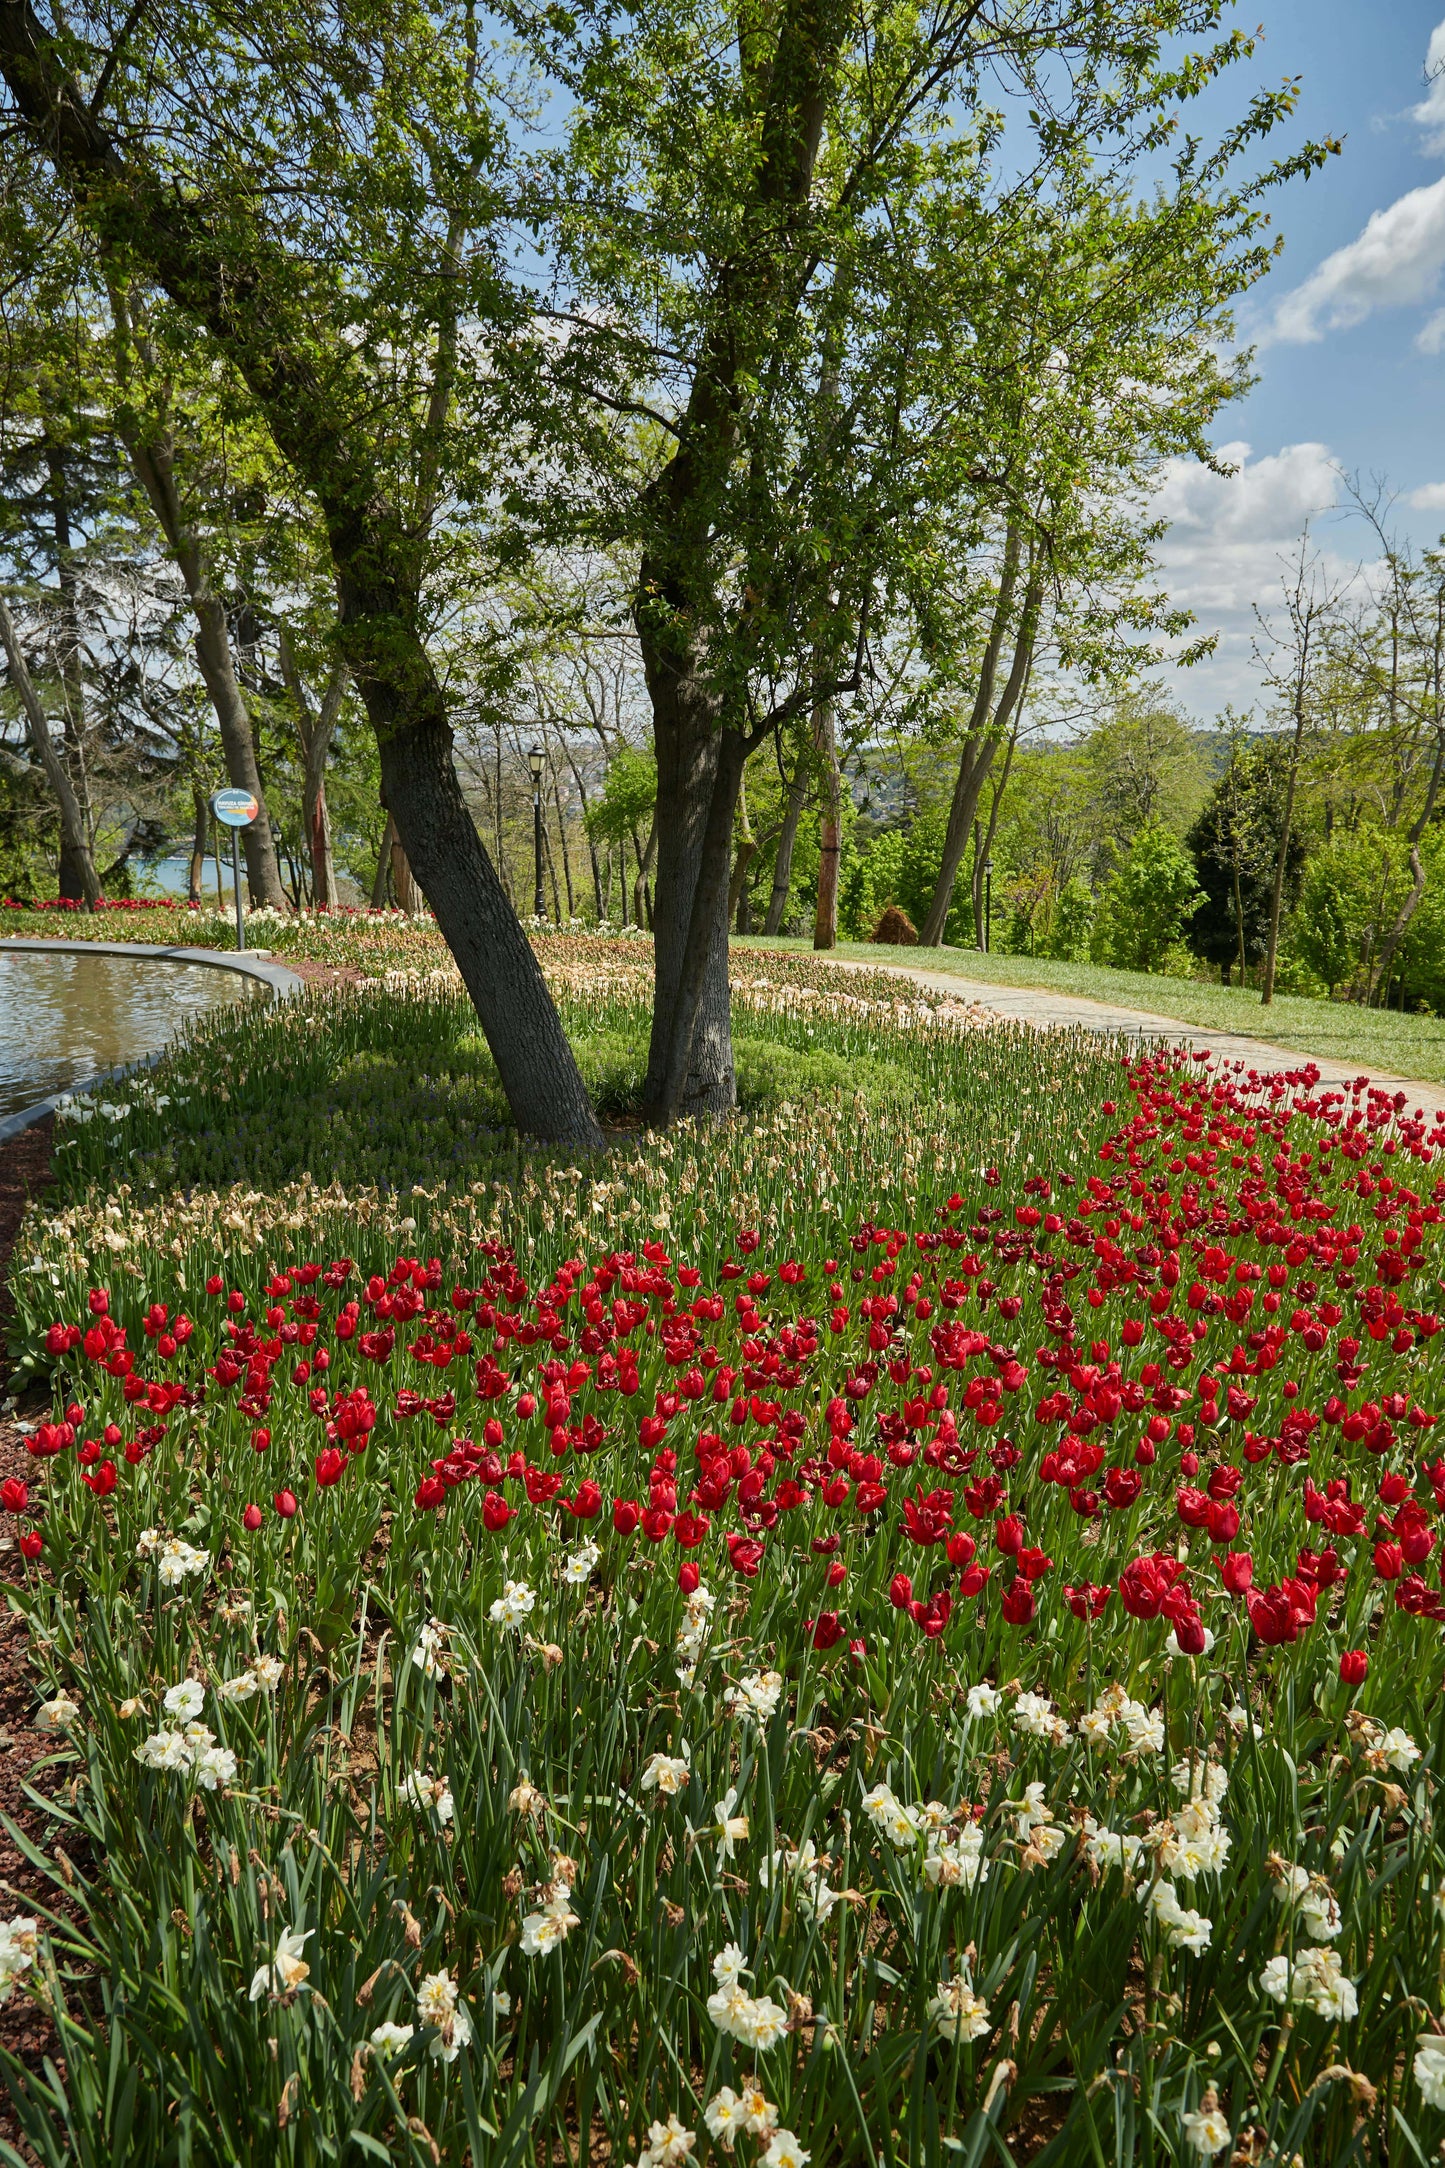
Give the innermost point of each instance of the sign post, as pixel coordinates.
(235, 809)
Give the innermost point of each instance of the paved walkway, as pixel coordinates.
(1049, 1011)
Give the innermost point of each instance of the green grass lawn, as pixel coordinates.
(1409, 1046)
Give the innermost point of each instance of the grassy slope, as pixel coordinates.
(1411, 1046)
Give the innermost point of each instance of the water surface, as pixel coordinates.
(64, 1017)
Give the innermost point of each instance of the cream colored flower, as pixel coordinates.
(287, 1972)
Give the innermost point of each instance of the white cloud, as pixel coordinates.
(1429, 497)
(1229, 539)
(1430, 112)
(1395, 262)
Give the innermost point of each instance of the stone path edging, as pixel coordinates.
(284, 985)
(1045, 1010)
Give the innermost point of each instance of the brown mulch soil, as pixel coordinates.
(24, 1173)
(322, 975)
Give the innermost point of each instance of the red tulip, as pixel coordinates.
(285, 1504)
(31, 1543)
(1354, 1666)
(900, 1591)
(688, 1576)
(251, 1518)
(1236, 1570)
(1018, 1604)
(14, 1494)
(625, 1516)
(330, 1467)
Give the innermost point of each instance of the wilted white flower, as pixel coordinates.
(287, 1972)
(59, 1713)
(267, 1671)
(955, 1860)
(428, 1793)
(19, 1946)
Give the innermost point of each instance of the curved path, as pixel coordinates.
(1045, 1010)
(282, 983)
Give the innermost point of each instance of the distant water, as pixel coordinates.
(64, 1017)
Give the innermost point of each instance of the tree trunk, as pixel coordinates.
(641, 899)
(315, 728)
(71, 882)
(787, 840)
(747, 851)
(72, 827)
(602, 909)
(830, 830)
(402, 884)
(1281, 860)
(984, 730)
(699, 772)
(383, 863)
(201, 813)
(562, 839)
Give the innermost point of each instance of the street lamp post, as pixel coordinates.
(987, 905)
(537, 761)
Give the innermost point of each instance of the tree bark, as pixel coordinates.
(260, 307)
(787, 841)
(200, 832)
(315, 729)
(72, 828)
(383, 863)
(830, 831)
(71, 883)
(985, 729)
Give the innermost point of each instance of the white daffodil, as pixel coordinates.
(956, 2012)
(667, 1774)
(729, 1829)
(187, 1699)
(287, 1972)
(390, 2039)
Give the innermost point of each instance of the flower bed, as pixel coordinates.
(839, 1637)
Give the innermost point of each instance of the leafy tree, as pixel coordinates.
(1235, 842)
(329, 223)
(1146, 903)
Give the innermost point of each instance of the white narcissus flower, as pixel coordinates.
(1430, 2070)
(983, 1700)
(756, 1696)
(730, 1829)
(543, 1931)
(581, 1565)
(956, 2012)
(784, 2151)
(1206, 2128)
(667, 1774)
(187, 1699)
(1399, 1750)
(429, 1655)
(1034, 1716)
(390, 2039)
(428, 1793)
(267, 1672)
(513, 1606)
(164, 1750)
(728, 1966)
(762, 2024)
(667, 2144)
(239, 1689)
(287, 1972)
(213, 1766)
(437, 2004)
(724, 2117)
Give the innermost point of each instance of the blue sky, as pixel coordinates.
(1350, 325)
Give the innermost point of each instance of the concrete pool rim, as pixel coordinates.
(284, 985)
